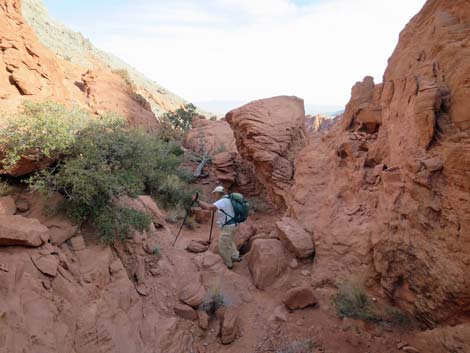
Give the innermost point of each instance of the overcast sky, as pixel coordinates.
(246, 49)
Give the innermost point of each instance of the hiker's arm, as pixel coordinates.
(207, 206)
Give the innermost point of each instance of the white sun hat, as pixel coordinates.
(219, 189)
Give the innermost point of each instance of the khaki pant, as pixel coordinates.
(227, 248)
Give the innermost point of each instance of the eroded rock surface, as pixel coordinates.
(387, 190)
(269, 133)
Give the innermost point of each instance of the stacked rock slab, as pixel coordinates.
(269, 133)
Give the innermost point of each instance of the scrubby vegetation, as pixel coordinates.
(40, 130)
(99, 160)
(124, 74)
(175, 124)
(213, 301)
(352, 301)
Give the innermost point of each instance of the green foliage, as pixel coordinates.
(157, 251)
(40, 130)
(352, 301)
(120, 221)
(213, 118)
(107, 162)
(181, 119)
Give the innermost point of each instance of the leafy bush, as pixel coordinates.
(352, 301)
(157, 251)
(40, 130)
(107, 162)
(181, 118)
(5, 187)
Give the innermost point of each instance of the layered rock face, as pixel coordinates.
(81, 297)
(269, 133)
(62, 66)
(388, 190)
(26, 67)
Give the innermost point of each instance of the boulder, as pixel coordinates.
(203, 318)
(197, 246)
(295, 238)
(269, 133)
(61, 230)
(7, 206)
(47, 264)
(229, 327)
(192, 294)
(244, 233)
(299, 298)
(266, 261)
(21, 231)
(185, 311)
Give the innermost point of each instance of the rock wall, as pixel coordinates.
(387, 191)
(269, 133)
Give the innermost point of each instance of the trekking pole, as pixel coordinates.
(185, 218)
(212, 225)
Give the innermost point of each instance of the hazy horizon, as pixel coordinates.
(242, 50)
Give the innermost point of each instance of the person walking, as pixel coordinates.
(225, 220)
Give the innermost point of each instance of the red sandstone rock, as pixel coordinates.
(410, 220)
(299, 298)
(266, 261)
(295, 238)
(7, 205)
(192, 294)
(185, 311)
(17, 230)
(269, 133)
(47, 264)
(229, 328)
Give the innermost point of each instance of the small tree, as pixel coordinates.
(182, 118)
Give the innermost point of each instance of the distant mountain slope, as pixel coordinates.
(76, 49)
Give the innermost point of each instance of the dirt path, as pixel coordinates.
(266, 326)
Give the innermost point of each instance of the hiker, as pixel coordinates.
(227, 224)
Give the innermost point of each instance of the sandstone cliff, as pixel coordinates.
(387, 191)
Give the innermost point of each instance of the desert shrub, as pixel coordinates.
(157, 251)
(181, 118)
(40, 130)
(106, 162)
(352, 301)
(213, 118)
(213, 301)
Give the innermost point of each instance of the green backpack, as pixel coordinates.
(241, 208)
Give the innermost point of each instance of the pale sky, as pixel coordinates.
(246, 49)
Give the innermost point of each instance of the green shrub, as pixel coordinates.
(213, 118)
(157, 251)
(106, 162)
(5, 187)
(213, 301)
(352, 301)
(181, 118)
(40, 130)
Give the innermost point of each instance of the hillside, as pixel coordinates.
(73, 47)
